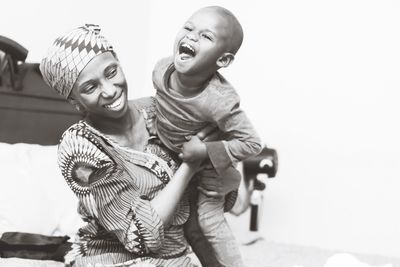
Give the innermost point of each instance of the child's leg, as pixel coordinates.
(200, 245)
(217, 231)
(214, 225)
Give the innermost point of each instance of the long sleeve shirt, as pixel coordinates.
(218, 104)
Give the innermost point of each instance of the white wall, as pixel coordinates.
(35, 25)
(319, 79)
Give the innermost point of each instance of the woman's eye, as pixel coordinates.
(111, 73)
(89, 89)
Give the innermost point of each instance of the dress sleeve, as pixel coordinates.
(127, 214)
(108, 193)
(240, 137)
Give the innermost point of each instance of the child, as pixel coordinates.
(191, 94)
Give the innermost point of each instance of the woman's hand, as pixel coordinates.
(209, 133)
(193, 150)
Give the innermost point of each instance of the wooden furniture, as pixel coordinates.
(30, 111)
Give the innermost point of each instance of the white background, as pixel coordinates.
(319, 79)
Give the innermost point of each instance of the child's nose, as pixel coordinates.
(192, 36)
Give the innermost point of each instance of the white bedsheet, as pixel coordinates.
(34, 197)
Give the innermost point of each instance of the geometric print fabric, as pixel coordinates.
(69, 55)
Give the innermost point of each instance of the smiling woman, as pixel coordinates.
(124, 179)
(102, 88)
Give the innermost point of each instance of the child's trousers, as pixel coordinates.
(211, 215)
(217, 231)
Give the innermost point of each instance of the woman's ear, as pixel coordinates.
(76, 104)
(225, 60)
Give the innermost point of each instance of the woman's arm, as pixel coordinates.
(118, 206)
(166, 201)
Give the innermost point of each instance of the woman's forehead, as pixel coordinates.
(97, 66)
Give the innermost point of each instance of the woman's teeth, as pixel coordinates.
(116, 104)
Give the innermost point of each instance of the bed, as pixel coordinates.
(34, 197)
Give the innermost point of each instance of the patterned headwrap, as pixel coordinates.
(69, 55)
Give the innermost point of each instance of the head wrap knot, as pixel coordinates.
(69, 55)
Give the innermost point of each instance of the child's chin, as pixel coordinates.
(182, 65)
(181, 60)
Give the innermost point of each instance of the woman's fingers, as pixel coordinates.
(206, 131)
(209, 193)
(213, 135)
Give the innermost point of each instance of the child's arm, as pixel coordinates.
(240, 139)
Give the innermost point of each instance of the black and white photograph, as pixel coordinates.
(200, 133)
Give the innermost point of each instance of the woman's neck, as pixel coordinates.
(114, 125)
(127, 131)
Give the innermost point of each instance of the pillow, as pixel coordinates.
(34, 196)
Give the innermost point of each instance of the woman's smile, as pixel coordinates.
(117, 104)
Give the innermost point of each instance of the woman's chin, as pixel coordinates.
(121, 112)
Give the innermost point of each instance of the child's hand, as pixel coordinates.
(193, 150)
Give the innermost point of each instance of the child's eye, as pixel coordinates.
(187, 28)
(207, 36)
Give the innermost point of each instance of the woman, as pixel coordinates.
(123, 177)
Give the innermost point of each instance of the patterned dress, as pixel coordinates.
(114, 185)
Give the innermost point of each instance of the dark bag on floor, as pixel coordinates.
(34, 246)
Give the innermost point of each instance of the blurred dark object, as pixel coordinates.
(34, 246)
(14, 49)
(264, 163)
(27, 102)
(12, 56)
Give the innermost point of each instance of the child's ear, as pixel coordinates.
(225, 60)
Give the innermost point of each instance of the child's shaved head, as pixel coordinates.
(235, 30)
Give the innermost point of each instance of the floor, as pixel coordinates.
(260, 252)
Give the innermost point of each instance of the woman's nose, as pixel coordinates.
(108, 90)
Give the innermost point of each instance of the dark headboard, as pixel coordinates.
(30, 111)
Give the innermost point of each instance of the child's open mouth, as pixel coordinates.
(186, 51)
